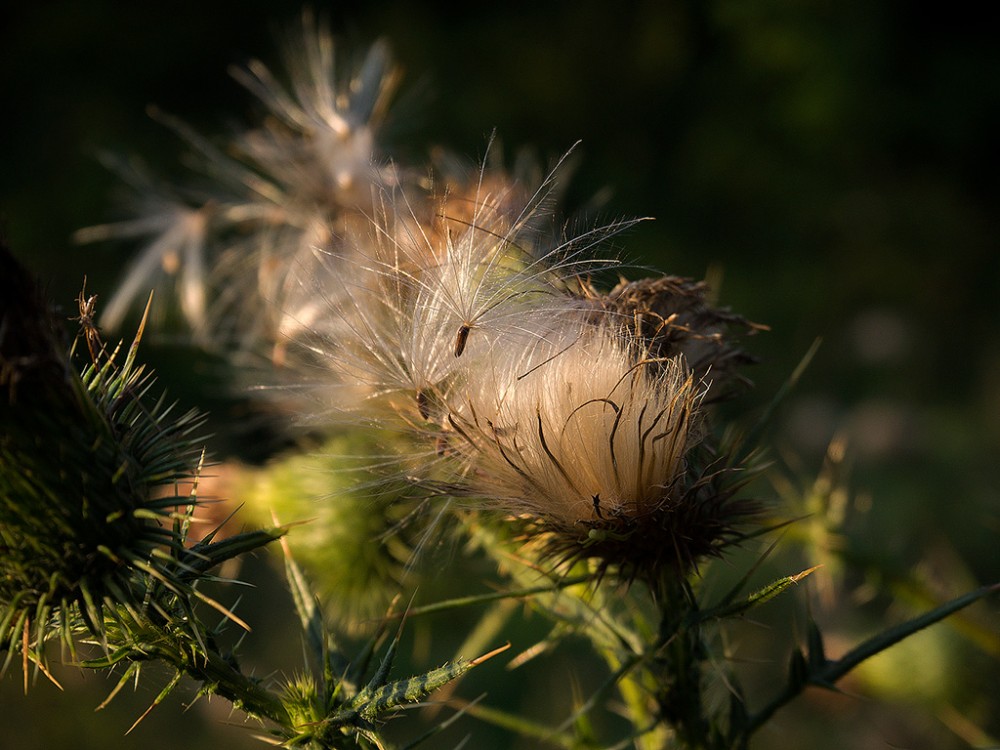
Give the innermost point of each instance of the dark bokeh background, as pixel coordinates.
(834, 164)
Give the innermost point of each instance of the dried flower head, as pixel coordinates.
(597, 444)
(446, 313)
(274, 192)
(178, 234)
(319, 144)
(396, 316)
(673, 316)
(521, 386)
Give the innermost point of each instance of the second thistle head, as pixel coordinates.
(604, 449)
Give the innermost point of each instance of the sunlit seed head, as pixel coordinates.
(320, 145)
(311, 162)
(574, 430)
(405, 309)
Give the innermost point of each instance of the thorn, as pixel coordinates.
(480, 659)
(139, 720)
(44, 670)
(799, 576)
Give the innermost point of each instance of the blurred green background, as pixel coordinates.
(834, 164)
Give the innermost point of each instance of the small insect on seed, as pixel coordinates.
(462, 339)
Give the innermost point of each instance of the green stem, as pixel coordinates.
(219, 676)
(678, 664)
(464, 601)
(636, 698)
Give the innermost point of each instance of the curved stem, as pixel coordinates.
(825, 673)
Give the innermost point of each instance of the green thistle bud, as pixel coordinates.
(347, 543)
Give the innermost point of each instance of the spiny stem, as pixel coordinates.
(679, 665)
(829, 672)
(244, 692)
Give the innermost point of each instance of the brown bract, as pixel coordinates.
(672, 315)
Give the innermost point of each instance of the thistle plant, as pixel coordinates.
(470, 379)
(95, 557)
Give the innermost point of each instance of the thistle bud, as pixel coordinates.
(80, 457)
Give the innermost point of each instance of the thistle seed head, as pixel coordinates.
(595, 443)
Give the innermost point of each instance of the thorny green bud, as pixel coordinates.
(353, 541)
(80, 460)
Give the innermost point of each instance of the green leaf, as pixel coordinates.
(758, 597)
(203, 557)
(318, 637)
(803, 671)
(834, 670)
(378, 698)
